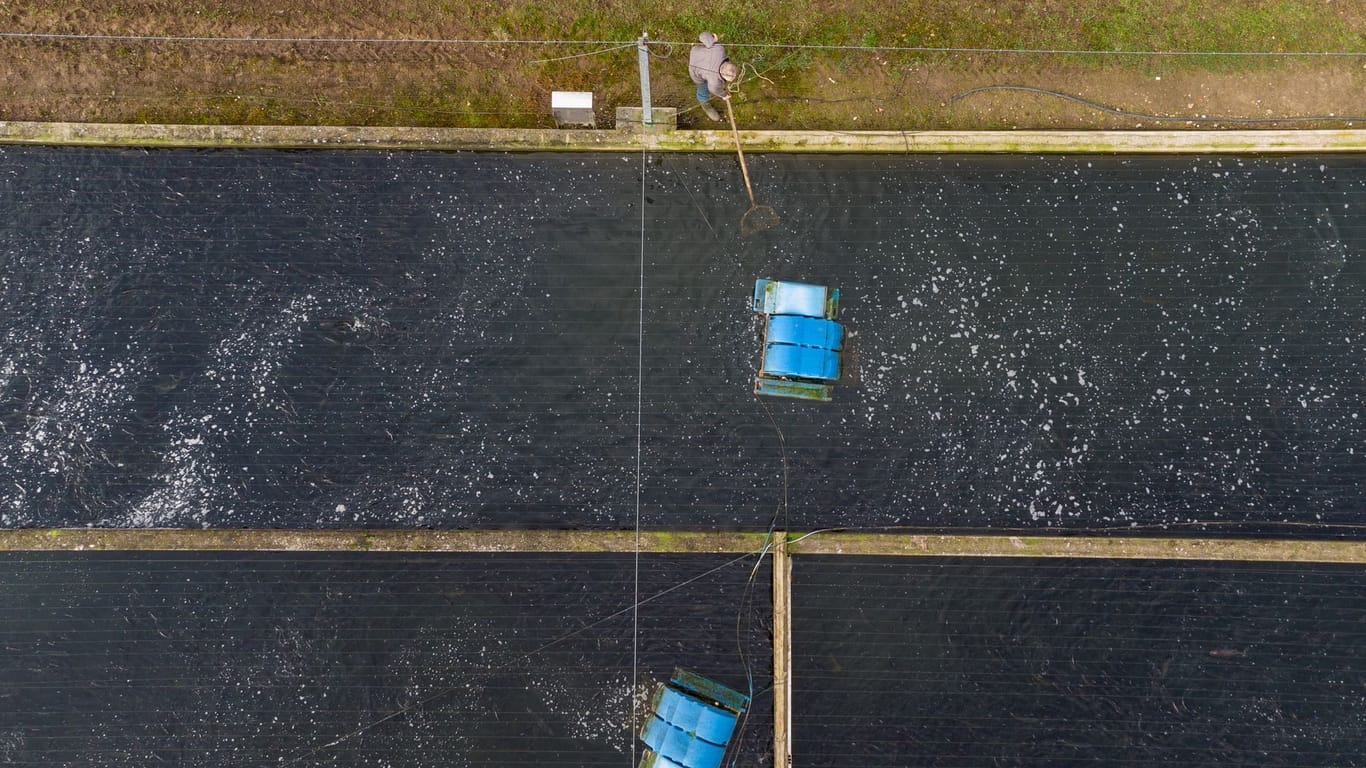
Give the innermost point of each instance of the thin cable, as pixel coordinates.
(696, 203)
(746, 598)
(746, 609)
(776, 46)
(809, 534)
(583, 55)
(734, 85)
(634, 607)
(330, 40)
(640, 410)
(1145, 116)
(661, 55)
(1044, 51)
(782, 449)
(320, 102)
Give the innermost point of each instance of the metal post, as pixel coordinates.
(782, 652)
(643, 56)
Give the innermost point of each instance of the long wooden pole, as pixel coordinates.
(744, 168)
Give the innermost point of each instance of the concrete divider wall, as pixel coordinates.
(852, 543)
(532, 139)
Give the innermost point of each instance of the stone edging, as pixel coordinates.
(834, 542)
(534, 139)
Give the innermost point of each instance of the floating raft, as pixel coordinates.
(802, 341)
(691, 722)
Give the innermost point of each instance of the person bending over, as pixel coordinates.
(711, 70)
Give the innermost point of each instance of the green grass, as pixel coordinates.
(1282, 26)
(1194, 25)
(501, 86)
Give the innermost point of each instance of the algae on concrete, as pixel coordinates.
(538, 139)
(687, 542)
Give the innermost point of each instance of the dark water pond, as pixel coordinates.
(342, 339)
(1036, 663)
(232, 659)
(238, 659)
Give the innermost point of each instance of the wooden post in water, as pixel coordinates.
(782, 652)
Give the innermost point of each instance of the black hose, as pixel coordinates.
(1144, 116)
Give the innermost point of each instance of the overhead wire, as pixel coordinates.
(268, 97)
(21, 35)
(583, 55)
(297, 40)
(1041, 51)
(640, 420)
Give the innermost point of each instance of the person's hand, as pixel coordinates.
(726, 96)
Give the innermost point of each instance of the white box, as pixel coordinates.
(573, 109)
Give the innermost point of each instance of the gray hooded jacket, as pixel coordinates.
(704, 66)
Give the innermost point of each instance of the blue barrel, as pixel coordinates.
(691, 722)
